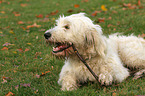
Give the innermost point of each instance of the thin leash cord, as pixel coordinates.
(77, 53)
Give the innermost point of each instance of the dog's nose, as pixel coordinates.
(47, 35)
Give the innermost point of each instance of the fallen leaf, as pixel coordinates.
(3, 12)
(29, 43)
(8, 2)
(27, 30)
(39, 16)
(34, 25)
(114, 29)
(38, 76)
(15, 38)
(36, 37)
(17, 15)
(85, 0)
(141, 7)
(53, 19)
(101, 20)
(54, 13)
(47, 72)
(20, 22)
(26, 50)
(24, 5)
(1, 32)
(130, 28)
(103, 8)
(94, 13)
(129, 5)
(23, 27)
(142, 35)
(10, 94)
(4, 81)
(76, 5)
(109, 25)
(36, 91)
(14, 71)
(17, 87)
(45, 19)
(25, 85)
(70, 10)
(42, 74)
(52, 67)
(14, 52)
(20, 50)
(7, 78)
(6, 44)
(126, 5)
(139, 3)
(113, 94)
(11, 31)
(109, 18)
(4, 48)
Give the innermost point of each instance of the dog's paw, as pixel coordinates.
(105, 79)
(68, 88)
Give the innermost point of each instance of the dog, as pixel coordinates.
(108, 57)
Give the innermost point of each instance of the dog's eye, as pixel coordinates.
(66, 27)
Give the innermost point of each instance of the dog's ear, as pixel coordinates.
(95, 40)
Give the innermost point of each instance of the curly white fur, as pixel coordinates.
(106, 56)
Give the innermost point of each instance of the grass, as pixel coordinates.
(28, 54)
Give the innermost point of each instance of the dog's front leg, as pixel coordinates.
(105, 76)
(67, 80)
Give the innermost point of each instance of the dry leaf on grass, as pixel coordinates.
(103, 8)
(54, 13)
(95, 13)
(4, 48)
(20, 22)
(76, 5)
(39, 16)
(27, 49)
(142, 35)
(6, 44)
(25, 85)
(34, 25)
(24, 5)
(42, 74)
(4, 81)
(100, 20)
(10, 94)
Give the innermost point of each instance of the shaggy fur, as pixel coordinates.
(106, 56)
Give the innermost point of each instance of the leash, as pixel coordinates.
(84, 62)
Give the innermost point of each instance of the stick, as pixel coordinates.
(77, 53)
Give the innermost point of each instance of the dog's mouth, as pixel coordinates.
(62, 49)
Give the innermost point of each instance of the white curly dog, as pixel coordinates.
(107, 57)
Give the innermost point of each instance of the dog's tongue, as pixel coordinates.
(65, 52)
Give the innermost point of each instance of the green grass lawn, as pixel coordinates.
(24, 56)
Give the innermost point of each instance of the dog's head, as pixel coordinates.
(79, 30)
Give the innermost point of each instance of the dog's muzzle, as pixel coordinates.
(47, 35)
